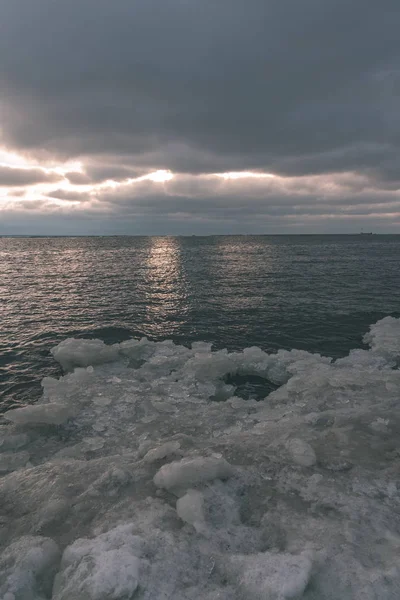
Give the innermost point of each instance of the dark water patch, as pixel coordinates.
(250, 387)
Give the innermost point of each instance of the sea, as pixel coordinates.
(313, 292)
(200, 418)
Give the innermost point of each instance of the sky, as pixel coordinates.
(199, 117)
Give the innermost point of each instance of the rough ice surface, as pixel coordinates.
(10, 461)
(27, 568)
(140, 475)
(384, 338)
(103, 568)
(269, 576)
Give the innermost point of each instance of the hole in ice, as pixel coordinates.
(250, 387)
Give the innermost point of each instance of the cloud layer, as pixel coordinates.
(307, 91)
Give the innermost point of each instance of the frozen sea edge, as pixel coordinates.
(141, 475)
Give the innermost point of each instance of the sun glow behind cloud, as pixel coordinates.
(159, 176)
(15, 160)
(186, 197)
(11, 159)
(245, 175)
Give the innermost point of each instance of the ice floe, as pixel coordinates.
(141, 474)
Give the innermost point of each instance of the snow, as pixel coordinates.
(128, 479)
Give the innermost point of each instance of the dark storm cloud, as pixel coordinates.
(14, 176)
(281, 85)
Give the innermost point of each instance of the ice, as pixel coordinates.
(14, 442)
(39, 414)
(384, 338)
(83, 353)
(191, 510)
(141, 474)
(10, 461)
(163, 451)
(185, 473)
(27, 568)
(301, 452)
(272, 576)
(103, 568)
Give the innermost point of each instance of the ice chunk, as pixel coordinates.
(301, 452)
(190, 472)
(162, 451)
(39, 414)
(103, 568)
(73, 353)
(10, 461)
(53, 511)
(13, 442)
(270, 576)
(102, 401)
(94, 443)
(384, 337)
(190, 508)
(27, 568)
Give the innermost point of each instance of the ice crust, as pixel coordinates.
(140, 475)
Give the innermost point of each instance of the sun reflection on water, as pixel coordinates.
(165, 287)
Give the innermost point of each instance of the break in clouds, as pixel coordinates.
(124, 116)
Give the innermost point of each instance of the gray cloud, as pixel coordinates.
(33, 205)
(97, 171)
(248, 203)
(203, 86)
(307, 90)
(62, 194)
(14, 176)
(78, 178)
(102, 172)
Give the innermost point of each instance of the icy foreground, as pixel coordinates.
(142, 475)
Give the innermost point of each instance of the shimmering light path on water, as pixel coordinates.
(318, 293)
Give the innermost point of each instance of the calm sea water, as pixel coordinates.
(318, 293)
